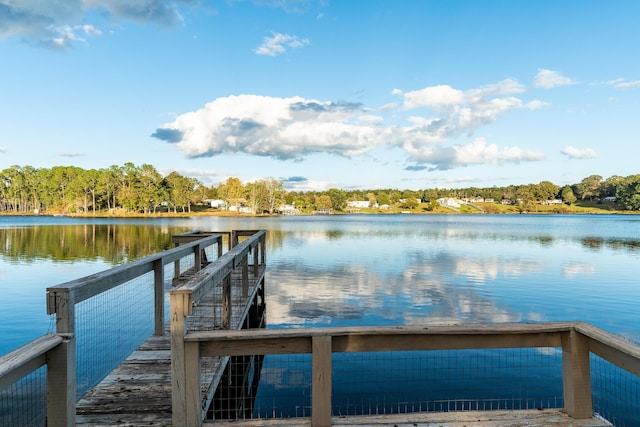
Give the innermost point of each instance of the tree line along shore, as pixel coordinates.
(132, 190)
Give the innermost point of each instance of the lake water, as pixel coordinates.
(362, 270)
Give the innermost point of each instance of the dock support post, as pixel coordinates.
(180, 308)
(576, 375)
(245, 276)
(226, 302)
(158, 289)
(61, 363)
(321, 383)
(193, 391)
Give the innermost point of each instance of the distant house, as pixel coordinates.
(217, 203)
(449, 202)
(358, 204)
(609, 199)
(288, 210)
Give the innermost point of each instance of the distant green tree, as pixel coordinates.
(338, 198)
(567, 196)
(545, 190)
(410, 203)
(180, 191)
(323, 202)
(383, 198)
(609, 186)
(628, 193)
(589, 188)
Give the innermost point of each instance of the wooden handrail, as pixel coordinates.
(26, 359)
(92, 285)
(185, 406)
(576, 339)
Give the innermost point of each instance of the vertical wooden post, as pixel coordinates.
(321, 382)
(180, 308)
(158, 296)
(61, 362)
(576, 375)
(245, 276)
(219, 246)
(263, 247)
(254, 251)
(176, 270)
(226, 302)
(193, 391)
(197, 258)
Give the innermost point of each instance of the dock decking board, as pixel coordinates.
(138, 391)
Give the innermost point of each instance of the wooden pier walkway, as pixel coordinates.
(138, 392)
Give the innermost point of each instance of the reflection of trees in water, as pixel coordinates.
(597, 243)
(111, 242)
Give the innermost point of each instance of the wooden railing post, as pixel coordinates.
(193, 390)
(197, 258)
(321, 382)
(576, 375)
(158, 296)
(226, 302)
(244, 265)
(263, 247)
(180, 308)
(61, 361)
(254, 251)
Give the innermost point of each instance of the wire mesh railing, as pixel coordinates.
(616, 393)
(383, 371)
(24, 403)
(110, 326)
(398, 382)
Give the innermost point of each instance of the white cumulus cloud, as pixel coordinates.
(476, 153)
(461, 112)
(278, 43)
(548, 79)
(577, 153)
(293, 128)
(284, 128)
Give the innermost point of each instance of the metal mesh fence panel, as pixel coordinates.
(185, 263)
(275, 386)
(616, 393)
(25, 402)
(378, 383)
(110, 326)
(446, 380)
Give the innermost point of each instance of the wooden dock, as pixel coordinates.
(196, 368)
(138, 392)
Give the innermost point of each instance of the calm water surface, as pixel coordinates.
(362, 270)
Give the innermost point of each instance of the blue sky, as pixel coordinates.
(351, 94)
